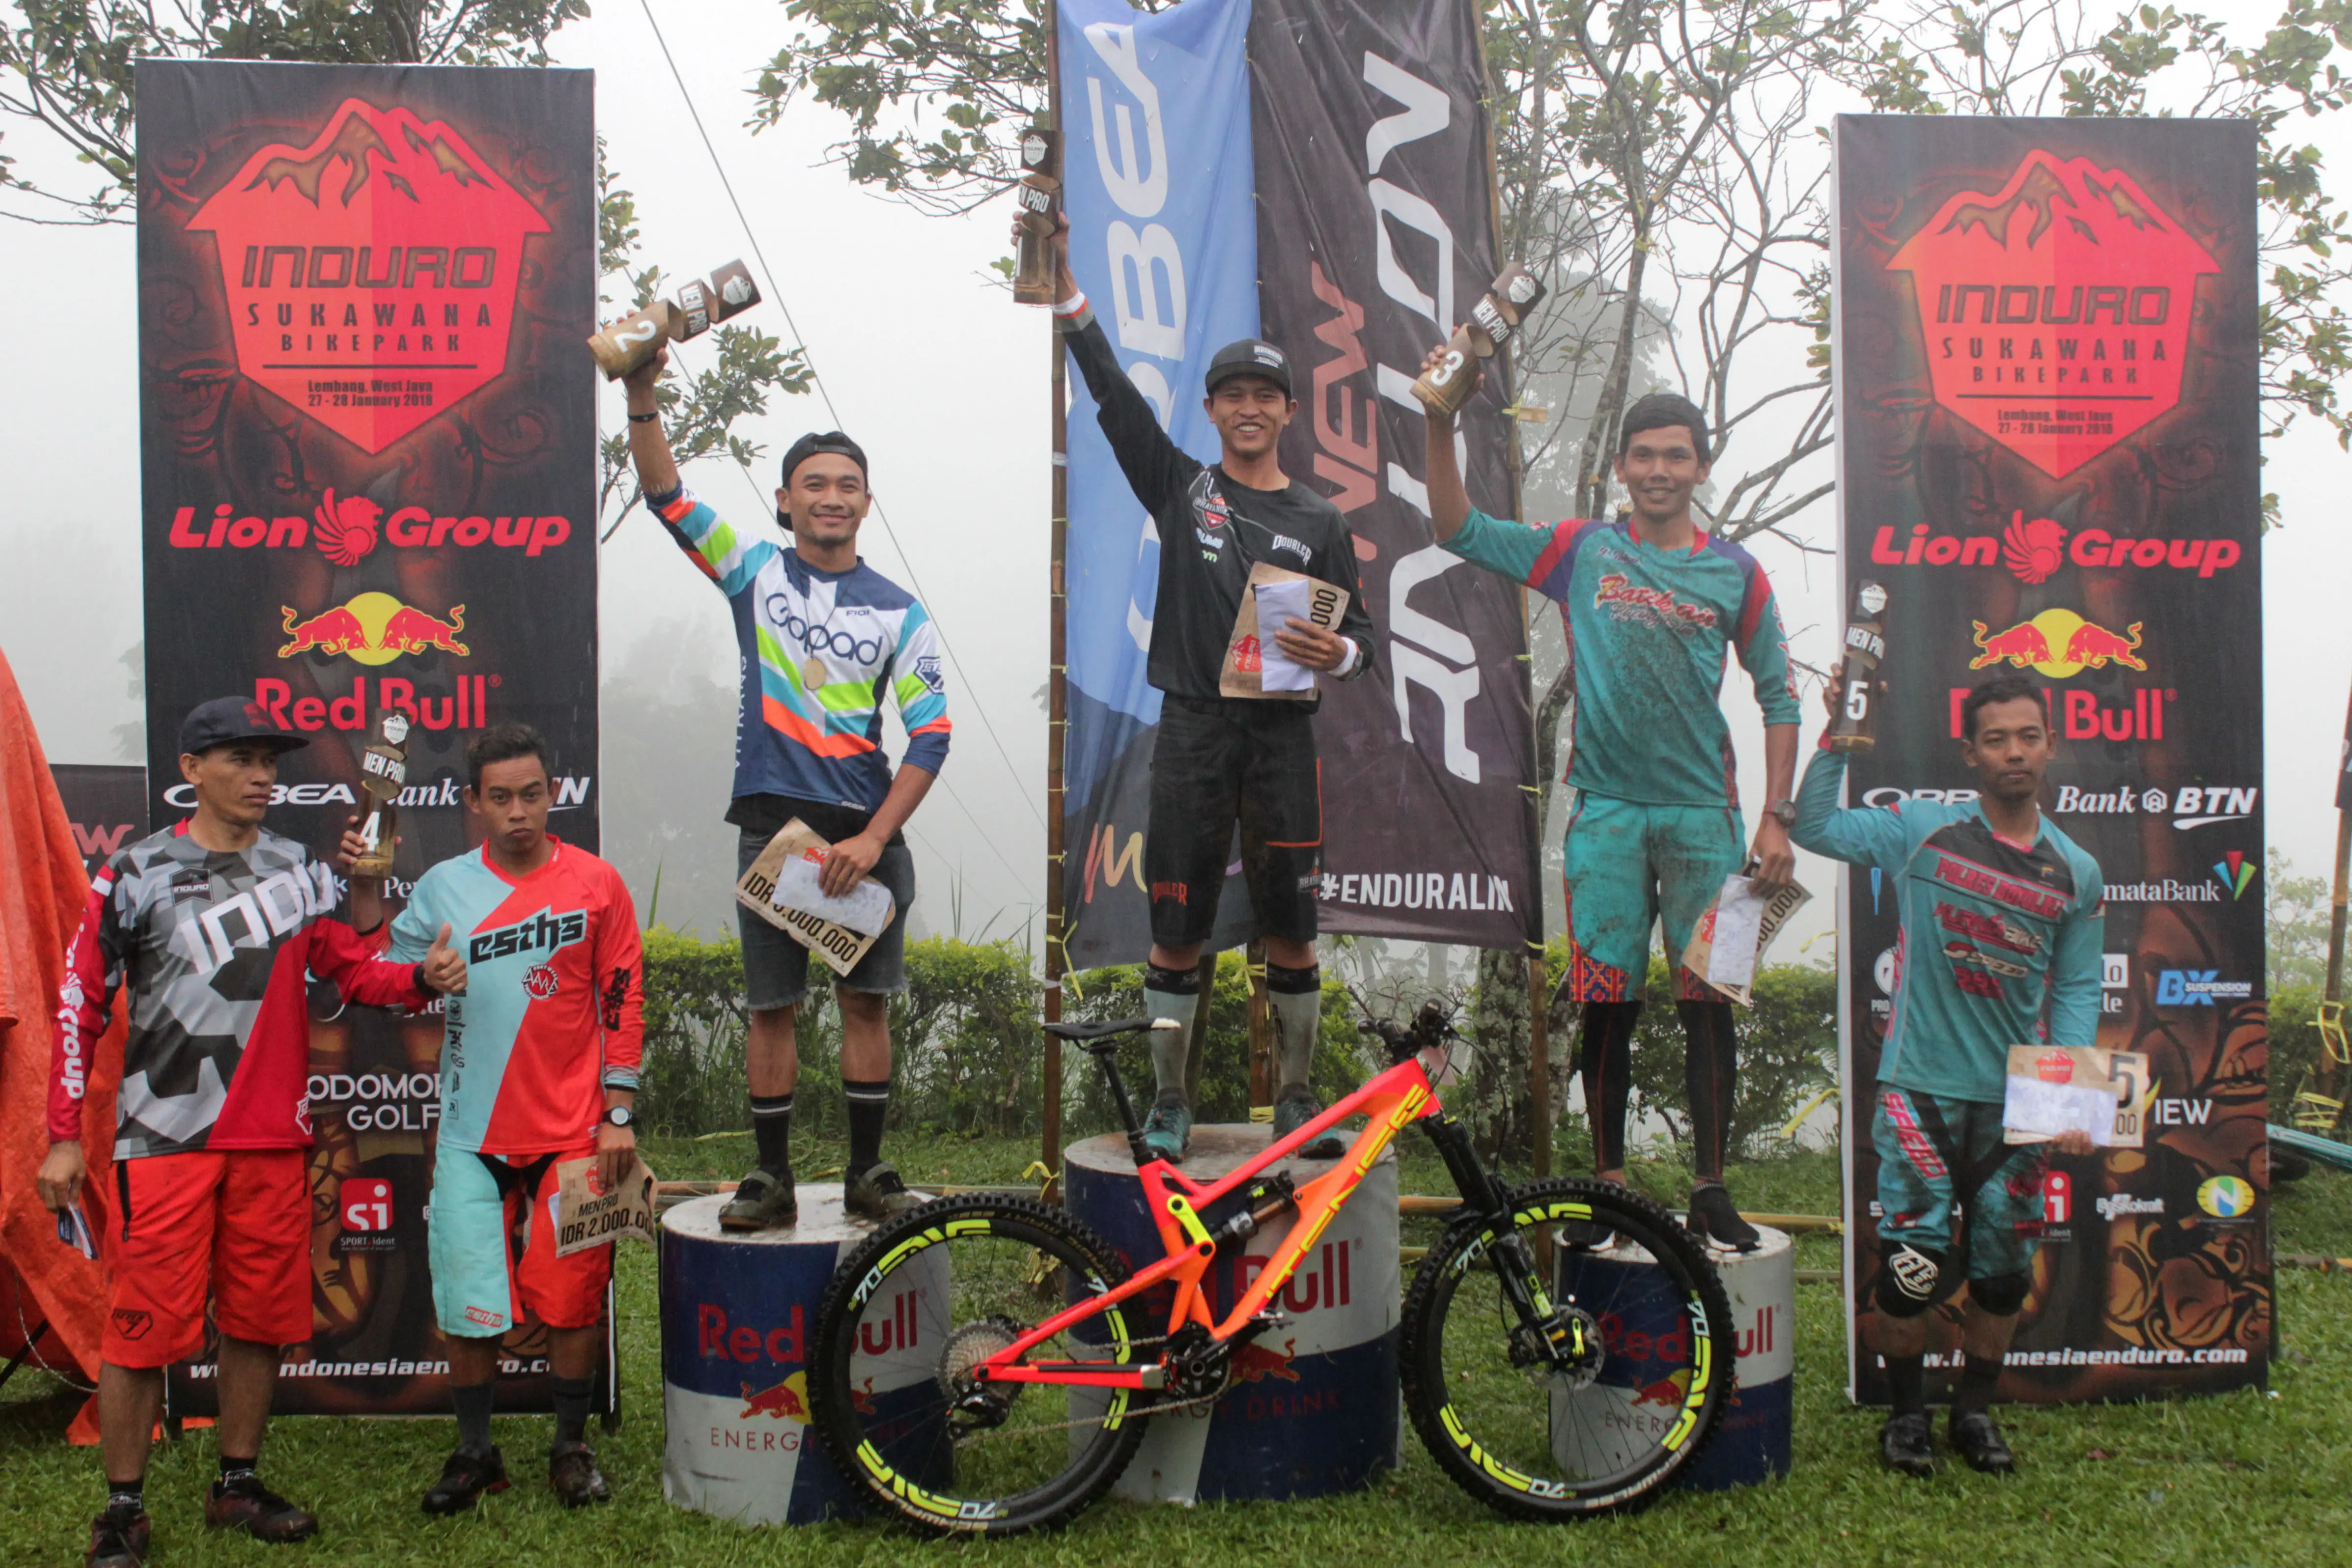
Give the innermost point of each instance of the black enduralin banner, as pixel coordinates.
(2048, 423)
(105, 804)
(1375, 238)
(368, 445)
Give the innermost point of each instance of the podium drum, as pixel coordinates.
(739, 1322)
(1752, 1442)
(1313, 1407)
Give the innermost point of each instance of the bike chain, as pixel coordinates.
(1161, 1409)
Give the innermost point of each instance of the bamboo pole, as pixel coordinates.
(1058, 713)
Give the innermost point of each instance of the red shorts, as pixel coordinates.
(482, 1287)
(234, 1224)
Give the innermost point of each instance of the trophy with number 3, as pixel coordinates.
(1492, 320)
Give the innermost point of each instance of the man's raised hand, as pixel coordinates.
(445, 971)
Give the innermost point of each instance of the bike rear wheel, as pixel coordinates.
(1536, 1443)
(910, 1310)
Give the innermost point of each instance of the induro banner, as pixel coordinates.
(1359, 129)
(368, 453)
(2047, 361)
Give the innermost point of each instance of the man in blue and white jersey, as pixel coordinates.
(823, 638)
(2001, 923)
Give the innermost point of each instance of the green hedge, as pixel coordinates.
(969, 1047)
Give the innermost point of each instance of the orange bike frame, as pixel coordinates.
(1393, 1101)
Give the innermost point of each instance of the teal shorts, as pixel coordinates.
(1627, 865)
(1929, 1148)
(492, 1242)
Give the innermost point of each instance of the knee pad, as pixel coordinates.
(2002, 1294)
(1909, 1280)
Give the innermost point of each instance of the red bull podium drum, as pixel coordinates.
(1635, 1398)
(739, 1323)
(1312, 1407)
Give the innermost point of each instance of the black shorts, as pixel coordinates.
(1216, 763)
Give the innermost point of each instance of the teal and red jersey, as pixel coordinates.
(1648, 630)
(553, 1008)
(2000, 944)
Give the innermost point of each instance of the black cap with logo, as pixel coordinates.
(808, 446)
(1251, 356)
(225, 721)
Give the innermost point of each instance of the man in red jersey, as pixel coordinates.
(213, 925)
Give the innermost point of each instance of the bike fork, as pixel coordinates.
(1544, 1332)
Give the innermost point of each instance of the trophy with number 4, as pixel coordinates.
(1492, 320)
(383, 769)
(700, 304)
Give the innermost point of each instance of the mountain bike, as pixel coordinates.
(986, 1363)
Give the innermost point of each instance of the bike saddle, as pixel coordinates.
(1082, 1033)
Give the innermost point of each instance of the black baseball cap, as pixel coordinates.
(225, 721)
(1251, 356)
(808, 446)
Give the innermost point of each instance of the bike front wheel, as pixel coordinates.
(914, 1308)
(1511, 1424)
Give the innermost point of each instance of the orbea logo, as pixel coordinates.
(370, 275)
(2055, 310)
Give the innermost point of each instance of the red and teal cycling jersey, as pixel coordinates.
(1648, 630)
(552, 1011)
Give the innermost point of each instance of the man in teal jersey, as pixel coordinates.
(2002, 915)
(1652, 603)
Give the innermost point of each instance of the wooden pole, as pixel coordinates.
(1261, 1030)
(1058, 715)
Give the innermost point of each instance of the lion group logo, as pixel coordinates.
(2058, 643)
(372, 273)
(372, 628)
(2055, 310)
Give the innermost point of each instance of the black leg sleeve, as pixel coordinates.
(1710, 1076)
(1608, 1067)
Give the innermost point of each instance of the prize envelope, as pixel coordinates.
(1729, 939)
(1253, 666)
(830, 928)
(586, 1216)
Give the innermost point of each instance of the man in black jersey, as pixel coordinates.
(1222, 759)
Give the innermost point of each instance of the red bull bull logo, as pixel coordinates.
(1666, 1393)
(783, 1401)
(373, 628)
(1255, 1362)
(2058, 643)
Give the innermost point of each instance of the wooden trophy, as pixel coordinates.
(383, 769)
(701, 303)
(1855, 727)
(1039, 197)
(1493, 321)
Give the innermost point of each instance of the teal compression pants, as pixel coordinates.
(1628, 865)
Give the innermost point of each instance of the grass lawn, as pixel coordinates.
(2251, 1478)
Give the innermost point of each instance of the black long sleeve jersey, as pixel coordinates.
(1211, 530)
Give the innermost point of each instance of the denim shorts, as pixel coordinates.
(775, 968)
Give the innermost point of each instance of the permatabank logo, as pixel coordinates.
(370, 275)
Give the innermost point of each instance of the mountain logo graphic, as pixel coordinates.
(370, 275)
(2234, 871)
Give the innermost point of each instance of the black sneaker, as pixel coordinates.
(1976, 1440)
(1294, 1107)
(762, 1201)
(572, 1472)
(117, 1539)
(1907, 1444)
(463, 1480)
(1714, 1217)
(259, 1512)
(875, 1192)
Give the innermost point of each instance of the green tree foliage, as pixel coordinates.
(2295, 918)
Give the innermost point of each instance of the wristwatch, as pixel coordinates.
(618, 1115)
(1783, 812)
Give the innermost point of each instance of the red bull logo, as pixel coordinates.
(1666, 1393)
(371, 274)
(783, 1401)
(1255, 1363)
(2055, 310)
(2058, 643)
(716, 1337)
(2085, 716)
(465, 707)
(373, 628)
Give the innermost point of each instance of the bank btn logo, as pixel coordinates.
(2226, 1197)
(372, 273)
(372, 628)
(2057, 373)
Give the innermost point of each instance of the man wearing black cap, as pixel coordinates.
(213, 924)
(822, 637)
(1220, 758)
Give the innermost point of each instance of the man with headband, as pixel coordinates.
(1220, 760)
(823, 636)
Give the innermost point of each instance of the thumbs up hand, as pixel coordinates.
(444, 970)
